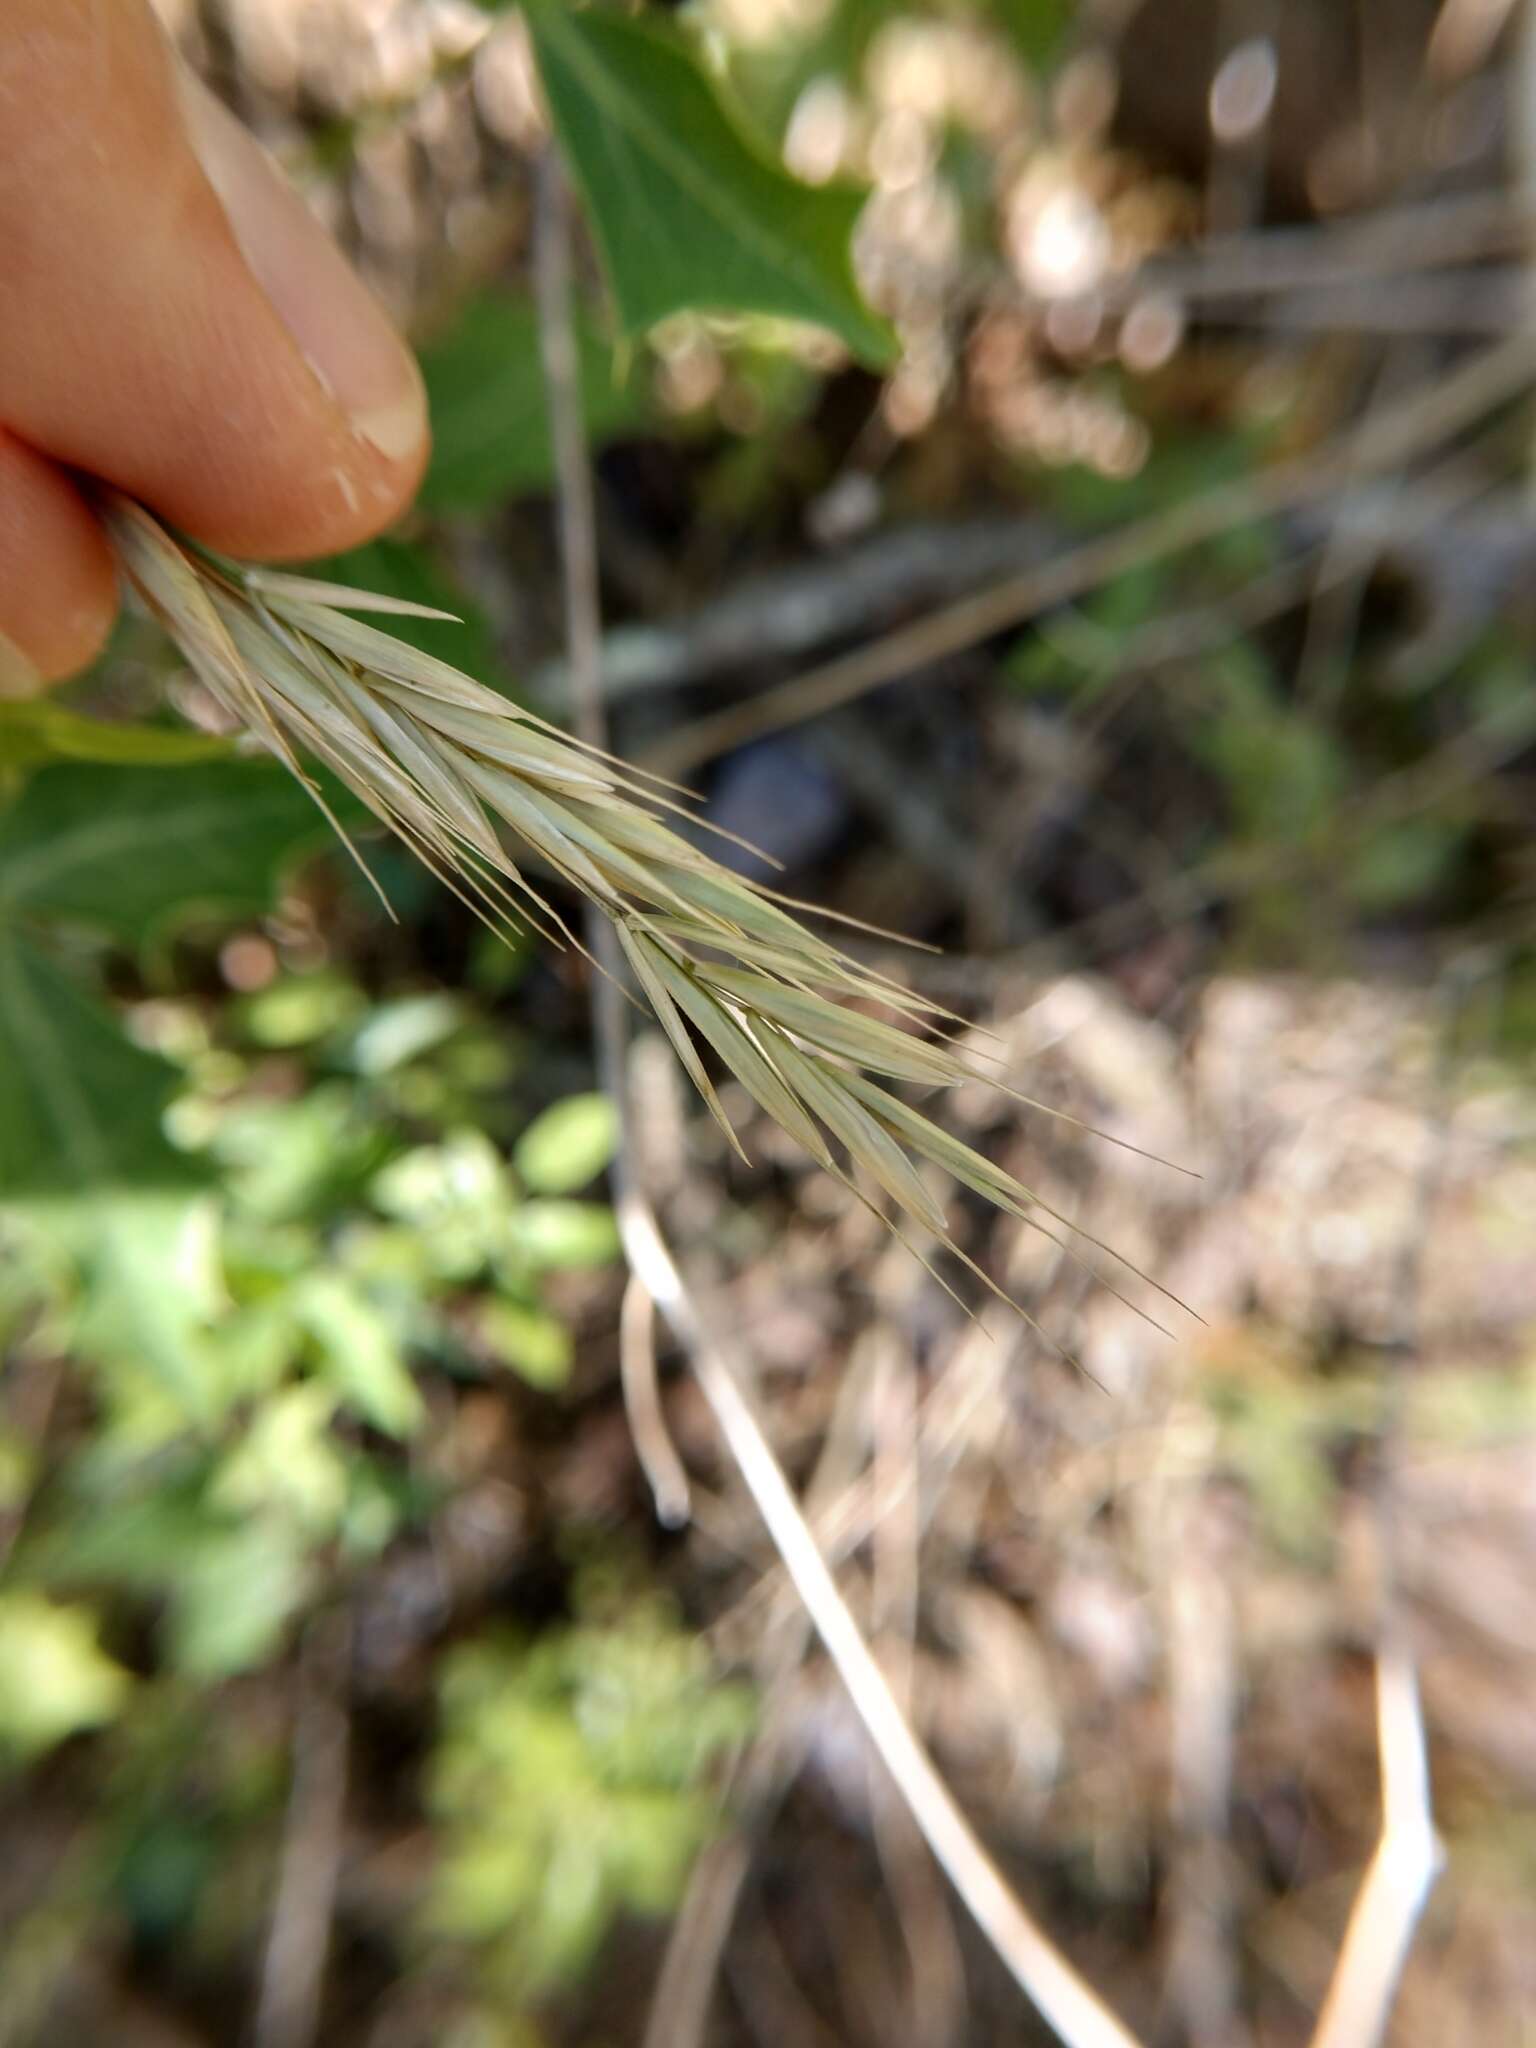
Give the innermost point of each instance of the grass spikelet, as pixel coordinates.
(452, 767)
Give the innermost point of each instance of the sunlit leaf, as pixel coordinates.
(456, 1196)
(148, 1292)
(229, 1584)
(685, 210)
(298, 1009)
(536, 1345)
(288, 1161)
(556, 1234)
(569, 1786)
(288, 1459)
(358, 1353)
(54, 1676)
(567, 1145)
(236, 1591)
(397, 1032)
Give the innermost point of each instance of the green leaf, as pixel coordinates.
(490, 424)
(302, 1160)
(1404, 862)
(568, 1145)
(395, 1033)
(229, 1583)
(54, 1678)
(570, 1783)
(1036, 27)
(536, 1345)
(233, 1596)
(39, 731)
(573, 1234)
(359, 1355)
(125, 852)
(685, 211)
(288, 1462)
(299, 1009)
(456, 1197)
(80, 1108)
(84, 1156)
(148, 1293)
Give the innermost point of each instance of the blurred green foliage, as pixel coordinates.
(1329, 806)
(570, 1782)
(266, 1232)
(320, 1242)
(1286, 1432)
(54, 1676)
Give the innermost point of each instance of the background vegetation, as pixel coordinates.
(1033, 505)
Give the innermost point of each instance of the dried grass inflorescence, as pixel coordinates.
(449, 764)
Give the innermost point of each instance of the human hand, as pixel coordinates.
(173, 320)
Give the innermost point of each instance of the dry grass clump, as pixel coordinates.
(448, 764)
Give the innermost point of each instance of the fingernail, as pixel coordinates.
(19, 678)
(343, 332)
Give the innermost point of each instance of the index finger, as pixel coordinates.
(171, 316)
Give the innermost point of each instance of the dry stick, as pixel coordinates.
(293, 1964)
(685, 1984)
(1202, 1713)
(1409, 1854)
(1478, 753)
(685, 1987)
(1065, 2000)
(1448, 304)
(1272, 262)
(584, 638)
(1522, 121)
(1395, 436)
(1406, 1863)
(658, 1457)
(1079, 2016)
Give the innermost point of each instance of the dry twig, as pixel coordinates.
(1395, 436)
(1408, 1854)
(1402, 1871)
(293, 1964)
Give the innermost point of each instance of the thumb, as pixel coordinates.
(171, 316)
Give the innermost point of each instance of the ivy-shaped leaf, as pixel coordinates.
(148, 1290)
(121, 852)
(685, 210)
(54, 1676)
(84, 1157)
(80, 1107)
(359, 1355)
